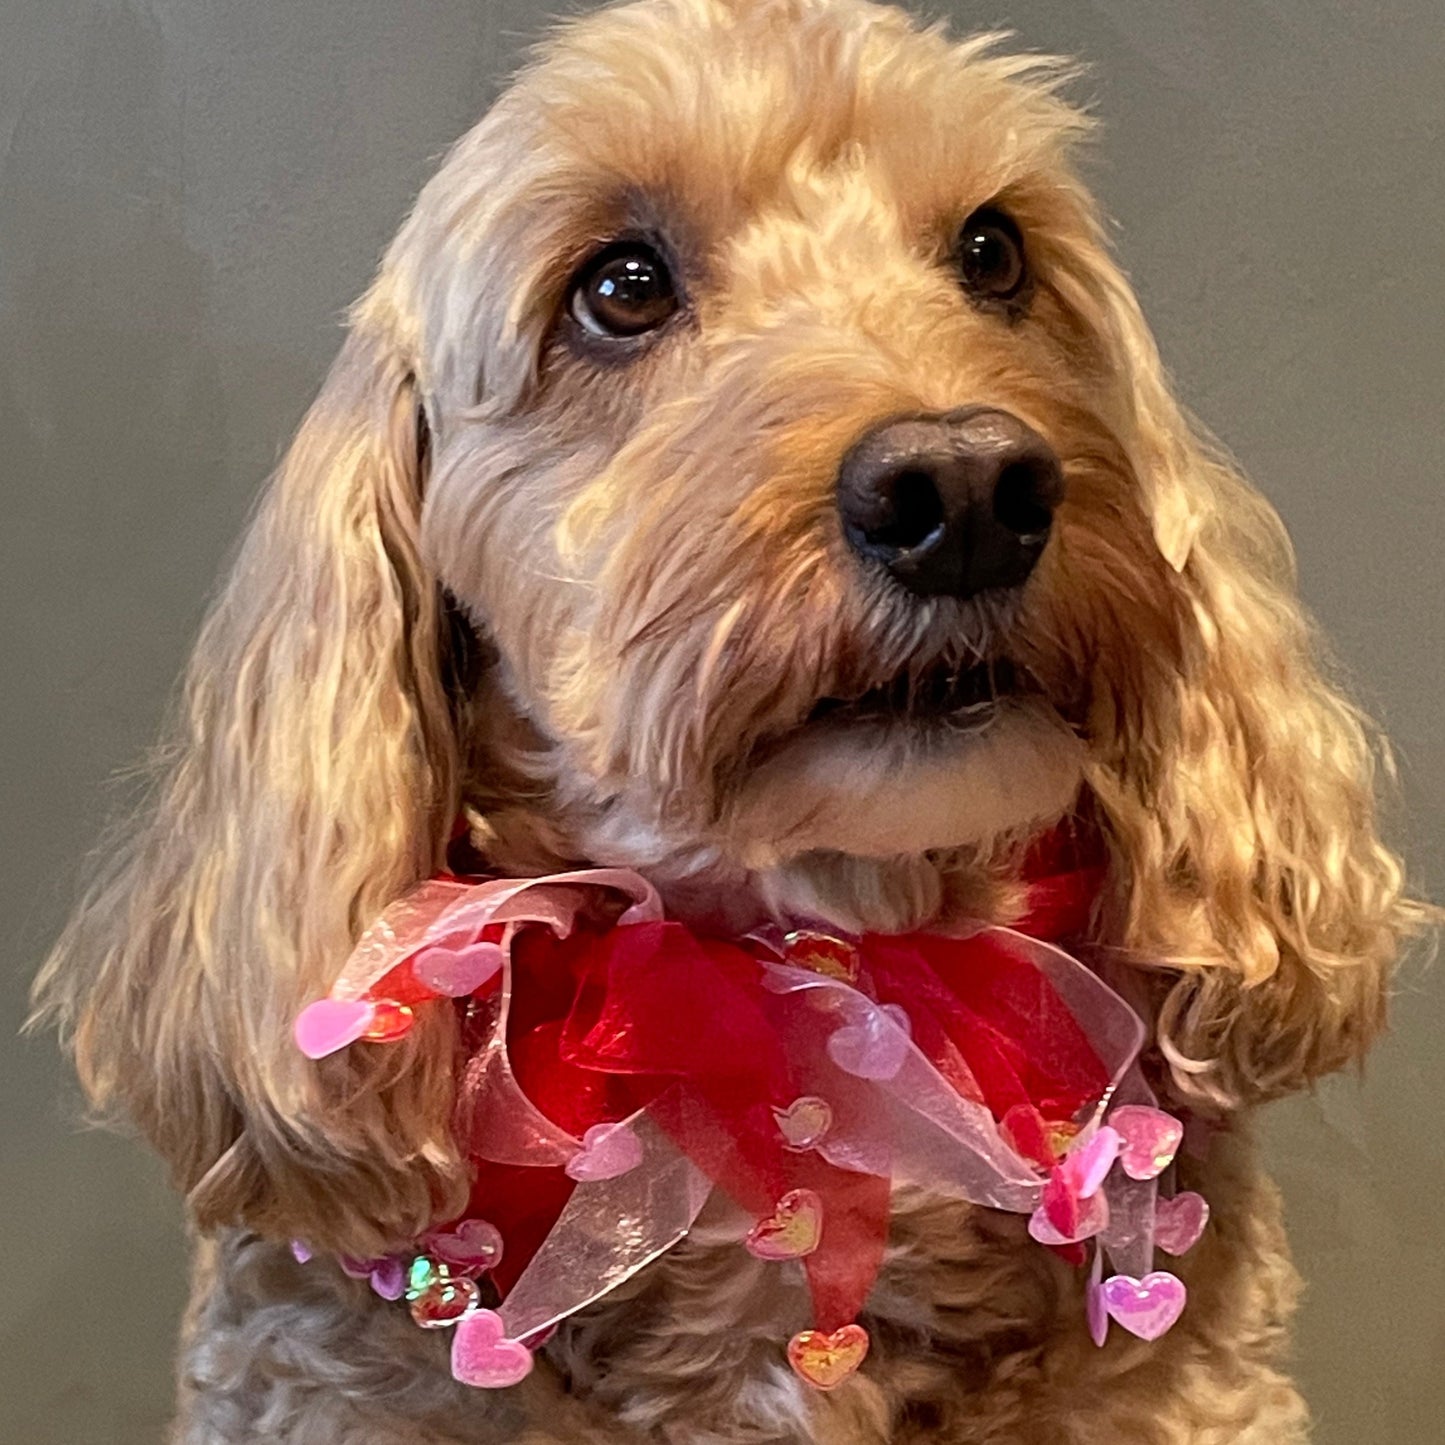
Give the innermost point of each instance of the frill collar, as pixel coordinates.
(615, 1075)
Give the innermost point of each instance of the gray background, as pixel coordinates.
(190, 193)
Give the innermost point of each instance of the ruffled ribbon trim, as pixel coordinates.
(616, 1074)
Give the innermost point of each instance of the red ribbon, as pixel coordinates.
(651, 1015)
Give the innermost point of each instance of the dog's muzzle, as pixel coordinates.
(951, 505)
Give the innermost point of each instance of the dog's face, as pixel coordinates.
(755, 381)
(781, 442)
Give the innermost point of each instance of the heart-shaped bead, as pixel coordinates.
(826, 1360)
(1145, 1307)
(608, 1151)
(804, 1122)
(1178, 1222)
(875, 1046)
(328, 1025)
(470, 1244)
(1151, 1139)
(442, 1298)
(455, 973)
(483, 1356)
(794, 1229)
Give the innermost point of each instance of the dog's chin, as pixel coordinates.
(884, 786)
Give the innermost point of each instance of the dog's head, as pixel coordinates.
(750, 466)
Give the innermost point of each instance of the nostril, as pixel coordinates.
(913, 512)
(1023, 499)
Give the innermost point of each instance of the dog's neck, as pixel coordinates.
(701, 886)
(530, 812)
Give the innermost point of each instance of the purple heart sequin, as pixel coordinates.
(1178, 1222)
(875, 1046)
(608, 1151)
(1145, 1307)
(388, 1279)
(455, 973)
(1151, 1139)
(471, 1244)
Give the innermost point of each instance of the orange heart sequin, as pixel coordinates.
(822, 953)
(794, 1229)
(826, 1360)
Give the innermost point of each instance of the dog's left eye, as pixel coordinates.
(624, 290)
(990, 256)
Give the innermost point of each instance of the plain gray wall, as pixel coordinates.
(190, 193)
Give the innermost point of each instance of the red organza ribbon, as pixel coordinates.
(650, 1015)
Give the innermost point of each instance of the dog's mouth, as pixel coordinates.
(938, 694)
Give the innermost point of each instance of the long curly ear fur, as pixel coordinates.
(312, 780)
(1244, 813)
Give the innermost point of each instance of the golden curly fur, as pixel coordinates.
(647, 546)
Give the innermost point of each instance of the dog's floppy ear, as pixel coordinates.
(312, 779)
(1245, 810)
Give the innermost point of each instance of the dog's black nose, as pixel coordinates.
(951, 505)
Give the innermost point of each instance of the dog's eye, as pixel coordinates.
(623, 290)
(991, 256)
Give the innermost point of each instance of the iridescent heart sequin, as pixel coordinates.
(792, 1231)
(608, 1151)
(1151, 1139)
(805, 1122)
(1145, 1307)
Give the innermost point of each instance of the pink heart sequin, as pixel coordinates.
(455, 973)
(483, 1356)
(1178, 1222)
(1151, 1139)
(874, 1047)
(329, 1024)
(1063, 1218)
(472, 1244)
(1085, 1166)
(1072, 1208)
(804, 1123)
(608, 1151)
(1145, 1307)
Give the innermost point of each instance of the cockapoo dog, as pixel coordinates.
(749, 468)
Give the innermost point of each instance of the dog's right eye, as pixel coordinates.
(625, 290)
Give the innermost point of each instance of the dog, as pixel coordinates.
(749, 468)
